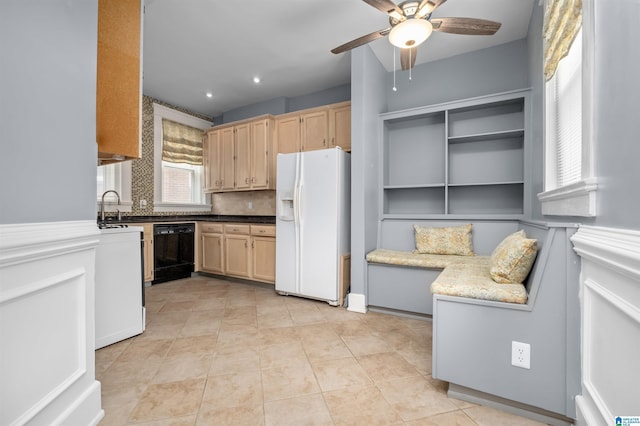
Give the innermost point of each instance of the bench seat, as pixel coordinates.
(409, 258)
(472, 279)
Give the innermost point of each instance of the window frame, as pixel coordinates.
(578, 198)
(160, 112)
(126, 204)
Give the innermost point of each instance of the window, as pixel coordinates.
(569, 182)
(117, 177)
(178, 179)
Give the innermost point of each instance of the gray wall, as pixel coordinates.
(283, 105)
(48, 110)
(488, 71)
(368, 100)
(536, 134)
(617, 114)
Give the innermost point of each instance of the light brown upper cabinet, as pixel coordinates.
(211, 153)
(316, 128)
(245, 156)
(262, 155)
(340, 125)
(288, 133)
(118, 84)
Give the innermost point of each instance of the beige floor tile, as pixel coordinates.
(200, 325)
(237, 360)
(193, 346)
(274, 336)
(209, 304)
(414, 398)
(351, 328)
(282, 355)
(181, 306)
(303, 410)
(141, 350)
(114, 396)
(366, 345)
(487, 416)
(165, 400)
(315, 332)
(175, 318)
(356, 406)
(421, 360)
(387, 366)
(339, 374)
(246, 415)
(131, 373)
(289, 382)
(326, 349)
(118, 415)
(453, 418)
(156, 332)
(306, 316)
(235, 389)
(182, 368)
(274, 319)
(174, 421)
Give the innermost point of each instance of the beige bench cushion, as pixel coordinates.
(407, 258)
(473, 280)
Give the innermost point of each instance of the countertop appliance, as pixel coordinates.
(119, 295)
(312, 222)
(173, 251)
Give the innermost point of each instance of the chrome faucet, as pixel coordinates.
(102, 203)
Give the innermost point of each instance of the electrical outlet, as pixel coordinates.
(143, 204)
(250, 205)
(521, 355)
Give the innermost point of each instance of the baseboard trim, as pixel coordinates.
(357, 303)
(513, 407)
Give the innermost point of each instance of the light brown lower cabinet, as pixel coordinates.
(263, 253)
(239, 250)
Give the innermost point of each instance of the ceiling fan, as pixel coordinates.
(411, 24)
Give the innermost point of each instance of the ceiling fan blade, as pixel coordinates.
(388, 7)
(468, 26)
(361, 40)
(427, 7)
(408, 57)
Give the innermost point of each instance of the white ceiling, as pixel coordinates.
(192, 47)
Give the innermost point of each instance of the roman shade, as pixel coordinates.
(562, 21)
(180, 143)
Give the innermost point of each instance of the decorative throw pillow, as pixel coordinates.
(512, 259)
(449, 240)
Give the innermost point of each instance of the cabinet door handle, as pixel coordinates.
(324, 142)
(246, 180)
(245, 244)
(252, 244)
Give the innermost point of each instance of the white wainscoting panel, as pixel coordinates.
(610, 311)
(47, 355)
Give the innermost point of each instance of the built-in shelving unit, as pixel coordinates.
(464, 159)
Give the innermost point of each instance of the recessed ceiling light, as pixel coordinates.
(209, 95)
(256, 80)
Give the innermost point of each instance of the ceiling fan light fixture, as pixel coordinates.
(410, 33)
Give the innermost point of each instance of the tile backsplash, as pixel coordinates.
(249, 203)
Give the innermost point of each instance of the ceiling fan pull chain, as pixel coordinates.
(395, 89)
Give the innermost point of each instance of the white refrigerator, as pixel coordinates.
(313, 230)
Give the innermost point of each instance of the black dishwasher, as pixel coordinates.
(172, 251)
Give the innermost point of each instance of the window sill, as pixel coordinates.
(577, 199)
(177, 207)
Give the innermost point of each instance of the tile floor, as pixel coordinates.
(225, 353)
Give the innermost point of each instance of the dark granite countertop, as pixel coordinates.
(194, 218)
